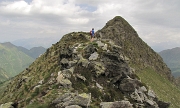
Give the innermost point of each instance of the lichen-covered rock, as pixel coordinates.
(38, 86)
(118, 104)
(72, 63)
(90, 49)
(99, 86)
(63, 81)
(41, 81)
(7, 105)
(93, 56)
(100, 44)
(82, 61)
(151, 94)
(64, 62)
(105, 47)
(142, 89)
(129, 85)
(81, 77)
(66, 52)
(73, 106)
(137, 97)
(68, 99)
(99, 68)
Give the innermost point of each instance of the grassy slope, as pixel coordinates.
(40, 69)
(3, 75)
(13, 61)
(164, 89)
(3, 86)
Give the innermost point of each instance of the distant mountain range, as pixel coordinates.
(172, 58)
(14, 59)
(33, 52)
(34, 42)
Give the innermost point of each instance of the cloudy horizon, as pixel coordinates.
(156, 22)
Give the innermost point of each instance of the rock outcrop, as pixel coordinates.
(106, 68)
(69, 99)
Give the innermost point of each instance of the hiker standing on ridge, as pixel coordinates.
(92, 34)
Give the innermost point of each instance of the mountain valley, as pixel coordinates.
(15, 59)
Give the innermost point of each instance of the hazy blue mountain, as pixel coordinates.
(33, 52)
(164, 46)
(172, 58)
(35, 42)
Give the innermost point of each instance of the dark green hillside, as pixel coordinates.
(3, 75)
(172, 58)
(12, 60)
(34, 52)
(164, 89)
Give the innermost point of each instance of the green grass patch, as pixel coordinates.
(35, 93)
(37, 105)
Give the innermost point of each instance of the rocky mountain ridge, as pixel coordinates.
(75, 73)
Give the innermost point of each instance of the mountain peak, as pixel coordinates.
(115, 20)
(123, 34)
(8, 44)
(120, 25)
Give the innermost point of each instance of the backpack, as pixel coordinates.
(90, 32)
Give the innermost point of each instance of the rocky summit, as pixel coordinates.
(77, 73)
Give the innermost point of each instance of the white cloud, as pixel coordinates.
(5, 23)
(47, 31)
(155, 21)
(78, 20)
(17, 7)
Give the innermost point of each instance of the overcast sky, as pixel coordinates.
(156, 21)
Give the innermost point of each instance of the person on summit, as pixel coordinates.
(92, 34)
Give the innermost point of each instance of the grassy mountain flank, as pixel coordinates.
(3, 75)
(163, 88)
(33, 52)
(118, 67)
(172, 58)
(12, 60)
